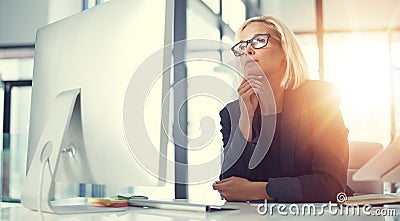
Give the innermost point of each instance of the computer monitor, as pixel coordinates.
(89, 113)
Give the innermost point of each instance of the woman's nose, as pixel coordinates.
(250, 50)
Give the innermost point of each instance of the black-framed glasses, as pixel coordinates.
(257, 42)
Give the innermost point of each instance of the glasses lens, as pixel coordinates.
(242, 46)
(259, 41)
(239, 48)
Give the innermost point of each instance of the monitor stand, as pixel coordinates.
(37, 190)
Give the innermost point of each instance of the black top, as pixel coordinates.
(270, 165)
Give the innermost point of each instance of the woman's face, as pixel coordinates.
(270, 59)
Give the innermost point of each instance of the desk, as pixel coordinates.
(247, 212)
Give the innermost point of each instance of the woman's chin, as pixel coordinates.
(253, 68)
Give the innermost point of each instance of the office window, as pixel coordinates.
(4, 155)
(298, 15)
(255, 2)
(233, 13)
(213, 5)
(395, 68)
(15, 65)
(20, 106)
(309, 47)
(202, 153)
(89, 4)
(92, 3)
(357, 63)
(228, 39)
(16, 68)
(198, 27)
(198, 115)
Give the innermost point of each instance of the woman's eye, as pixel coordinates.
(242, 46)
(260, 40)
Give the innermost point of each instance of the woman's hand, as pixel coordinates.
(263, 91)
(240, 189)
(248, 104)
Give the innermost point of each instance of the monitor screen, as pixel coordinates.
(83, 82)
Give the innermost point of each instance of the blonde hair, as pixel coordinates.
(296, 67)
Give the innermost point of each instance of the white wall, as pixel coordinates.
(20, 19)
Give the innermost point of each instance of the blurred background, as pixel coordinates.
(355, 44)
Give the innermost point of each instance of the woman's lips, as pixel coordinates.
(250, 62)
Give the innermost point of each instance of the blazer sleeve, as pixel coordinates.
(329, 147)
(237, 150)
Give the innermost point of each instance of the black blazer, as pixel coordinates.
(313, 145)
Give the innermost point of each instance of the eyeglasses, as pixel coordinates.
(257, 42)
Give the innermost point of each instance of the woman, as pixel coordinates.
(284, 139)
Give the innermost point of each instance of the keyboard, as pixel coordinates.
(70, 209)
(179, 205)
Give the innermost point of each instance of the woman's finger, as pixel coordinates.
(256, 84)
(245, 94)
(253, 83)
(242, 86)
(244, 89)
(250, 84)
(254, 76)
(243, 83)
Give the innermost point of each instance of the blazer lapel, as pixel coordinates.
(291, 111)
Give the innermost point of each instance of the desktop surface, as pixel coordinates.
(247, 211)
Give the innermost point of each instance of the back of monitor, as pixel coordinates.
(384, 166)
